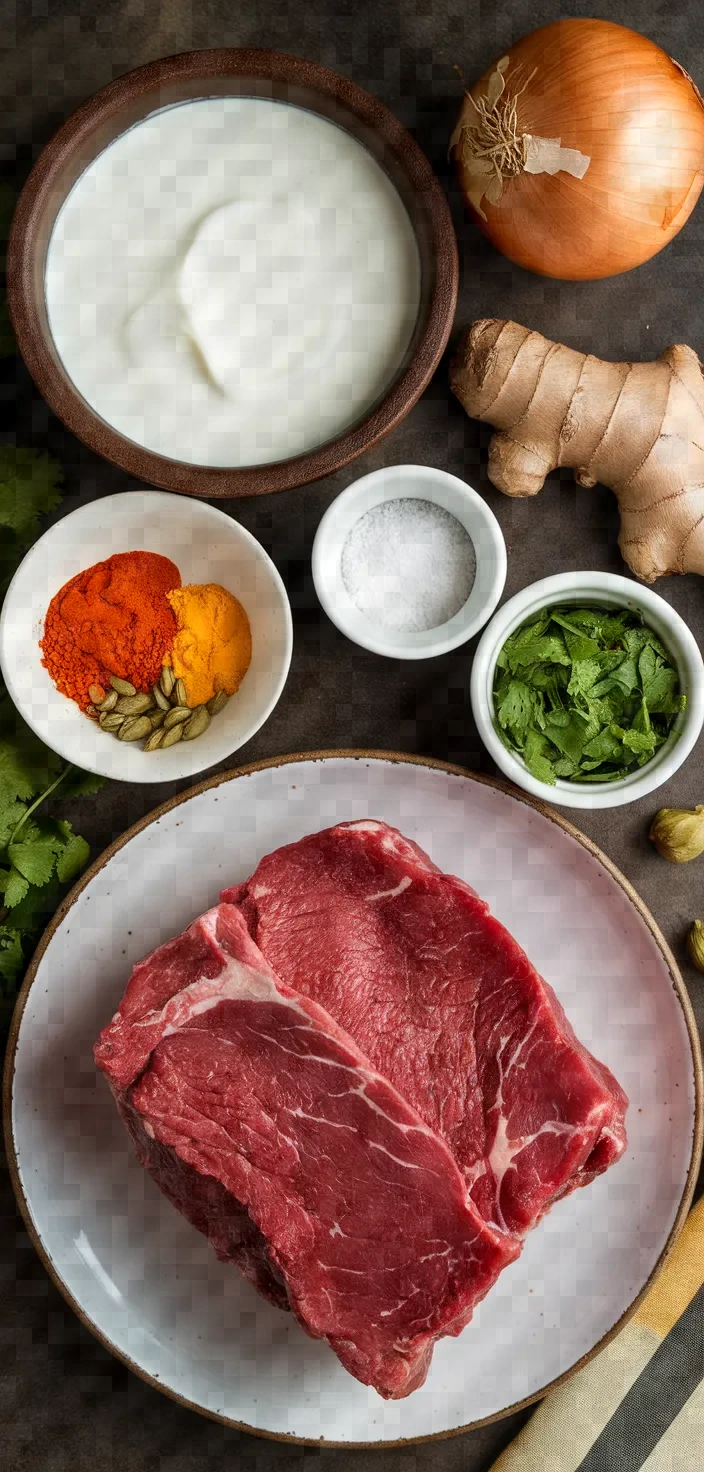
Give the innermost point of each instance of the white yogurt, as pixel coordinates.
(232, 282)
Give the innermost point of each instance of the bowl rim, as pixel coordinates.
(152, 775)
(272, 74)
(589, 586)
(494, 555)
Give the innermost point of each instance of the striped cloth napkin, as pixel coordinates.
(639, 1405)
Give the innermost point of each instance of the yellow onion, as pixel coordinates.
(576, 91)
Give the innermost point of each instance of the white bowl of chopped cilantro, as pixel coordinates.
(588, 690)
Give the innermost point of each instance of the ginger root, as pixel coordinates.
(637, 428)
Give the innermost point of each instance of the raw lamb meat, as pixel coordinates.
(446, 1004)
(262, 1121)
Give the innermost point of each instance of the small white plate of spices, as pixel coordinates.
(409, 562)
(224, 575)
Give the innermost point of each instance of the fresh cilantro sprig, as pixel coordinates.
(39, 854)
(587, 694)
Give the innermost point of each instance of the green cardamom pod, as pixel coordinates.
(217, 702)
(134, 705)
(160, 698)
(177, 716)
(198, 723)
(172, 736)
(678, 833)
(154, 741)
(695, 944)
(109, 702)
(123, 687)
(135, 728)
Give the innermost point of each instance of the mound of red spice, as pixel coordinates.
(112, 619)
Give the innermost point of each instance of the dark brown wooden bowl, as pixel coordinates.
(229, 72)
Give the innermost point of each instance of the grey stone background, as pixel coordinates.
(65, 1404)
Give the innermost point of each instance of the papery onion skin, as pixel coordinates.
(617, 97)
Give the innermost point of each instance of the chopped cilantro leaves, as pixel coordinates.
(587, 694)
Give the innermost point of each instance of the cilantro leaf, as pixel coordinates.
(647, 665)
(626, 674)
(567, 733)
(10, 814)
(79, 784)
(581, 647)
(536, 758)
(594, 693)
(16, 780)
(518, 708)
(585, 673)
(614, 626)
(73, 857)
(541, 768)
(11, 958)
(37, 906)
(551, 649)
(662, 692)
(606, 747)
(35, 860)
(26, 765)
(590, 619)
(16, 888)
(29, 486)
(640, 741)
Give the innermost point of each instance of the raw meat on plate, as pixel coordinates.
(446, 1005)
(264, 1123)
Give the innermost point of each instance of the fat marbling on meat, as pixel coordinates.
(264, 1123)
(446, 1005)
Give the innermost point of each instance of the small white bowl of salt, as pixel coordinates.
(409, 562)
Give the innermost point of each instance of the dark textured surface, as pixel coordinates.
(65, 1404)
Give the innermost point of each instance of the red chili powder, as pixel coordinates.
(112, 619)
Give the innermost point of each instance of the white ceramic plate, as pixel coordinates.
(149, 1285)
(207, 547)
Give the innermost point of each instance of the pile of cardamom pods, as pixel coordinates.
(163, 717)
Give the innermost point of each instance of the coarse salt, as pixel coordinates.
(408, 564)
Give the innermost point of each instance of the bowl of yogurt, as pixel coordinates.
(231, 272)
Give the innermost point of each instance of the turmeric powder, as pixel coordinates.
(212, 649)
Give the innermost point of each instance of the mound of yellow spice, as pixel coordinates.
(212, 650)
